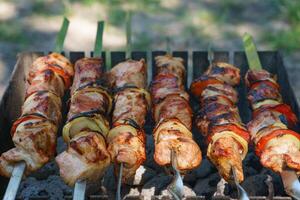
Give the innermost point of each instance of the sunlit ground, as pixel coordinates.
(32, 25)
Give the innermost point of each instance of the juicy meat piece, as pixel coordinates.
(220, 89)
(225, 72)
(131, 103)
(254, 76)
(168, 64)
(225, 153)
(89, 99)
(126, 144)
(174, 106)
(129, 73)
(173, 135)
(35, 141)
(216, 114)
(265, 119)
(45, 104)
(166, 84)
(282, 152)
(86, 158)
(46, 80)
(55, 62)
(263, 92)
(87, 70)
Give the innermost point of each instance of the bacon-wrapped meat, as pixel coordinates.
(276, 145)
(173, 116)
(34, 133)
(218, 119)
(86, 157)
(126, 140)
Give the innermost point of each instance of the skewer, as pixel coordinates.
(119, 186)
(176, 186)
(80, 185)
(14, 181)
(242, 194)
(19, 168)
(288, 176)
(128, 55)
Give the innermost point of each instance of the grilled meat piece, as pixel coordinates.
(87, 71)
(85, 159)
(224, 153)
(220, 90)
(46, 80)
(35, 140)
(174, 106)
(173, 115)
(255, 76)
(45, 104)
(127, 145)
(56, 63)
(92, 98)
(225, 72)
(263, 92)
(131, 103)
(171, 135)
(128, 73)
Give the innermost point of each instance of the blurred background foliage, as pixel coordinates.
(191, 25)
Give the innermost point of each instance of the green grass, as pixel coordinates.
(10, 31)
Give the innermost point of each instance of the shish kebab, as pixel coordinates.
(173, 117)
(126, 139)
(219, 121)
(86, 158)
(277, 146)
(34, 133)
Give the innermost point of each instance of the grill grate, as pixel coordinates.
(196, 63)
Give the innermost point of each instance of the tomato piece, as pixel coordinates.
(276, 133)
(199, 85)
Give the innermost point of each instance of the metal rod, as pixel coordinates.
(79, 191)
(119, 187)
(242, 194)
(291, 183)
(14, 182)
(176, 186)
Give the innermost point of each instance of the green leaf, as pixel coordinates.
(59, 45)
(99, 39)
(251, 52)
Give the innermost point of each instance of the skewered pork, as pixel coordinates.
(34, 133)
(173, 116)
(86, 157)
(276, 145)
(218, 119)
(126, 140)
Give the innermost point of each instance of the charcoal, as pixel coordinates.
(207, 186)
(205, 169)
